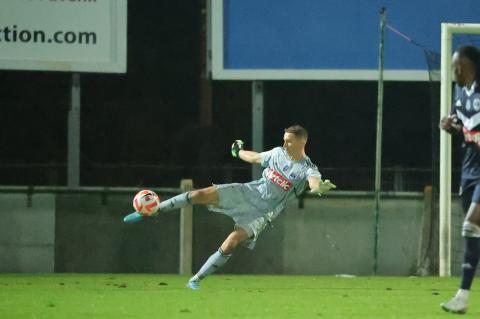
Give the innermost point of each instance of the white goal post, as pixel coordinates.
(448, 31)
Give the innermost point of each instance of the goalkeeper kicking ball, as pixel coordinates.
(146, 202)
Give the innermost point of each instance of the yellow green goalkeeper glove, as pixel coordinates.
(323, 187)
(237, 146)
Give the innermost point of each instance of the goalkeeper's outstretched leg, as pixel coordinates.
(220, 257)
(204, 196)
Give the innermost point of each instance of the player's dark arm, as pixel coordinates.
(450, 124)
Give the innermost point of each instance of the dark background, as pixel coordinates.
(145, 128)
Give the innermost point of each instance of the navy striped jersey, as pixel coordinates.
(467, 109)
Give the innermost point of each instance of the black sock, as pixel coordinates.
(470, 261)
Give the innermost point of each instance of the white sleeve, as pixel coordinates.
(313, 171)
(266, 157)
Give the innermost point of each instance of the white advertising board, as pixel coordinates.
(64, 35)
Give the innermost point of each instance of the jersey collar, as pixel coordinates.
(471, 90)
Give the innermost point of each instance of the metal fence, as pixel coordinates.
(346, 178)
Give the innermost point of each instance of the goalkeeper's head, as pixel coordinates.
(466, 65)
(294, 141)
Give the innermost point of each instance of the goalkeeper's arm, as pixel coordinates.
(318, 186)
(248, 156)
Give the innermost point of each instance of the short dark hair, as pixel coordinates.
(470, 52)
(298, 131)
(473, 54)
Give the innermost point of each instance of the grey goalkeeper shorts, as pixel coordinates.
(233, 203)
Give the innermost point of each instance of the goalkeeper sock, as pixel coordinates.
(470, 261)
(176, 202)
(217, 260)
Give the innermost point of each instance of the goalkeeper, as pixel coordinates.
(256, 204)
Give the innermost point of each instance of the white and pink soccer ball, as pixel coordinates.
(146, 202)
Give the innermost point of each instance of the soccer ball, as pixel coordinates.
(146, 202)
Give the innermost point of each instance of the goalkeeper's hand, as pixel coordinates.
(237, 146)
(323, 187)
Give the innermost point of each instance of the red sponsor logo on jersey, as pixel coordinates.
(278, 179)
(471, 136)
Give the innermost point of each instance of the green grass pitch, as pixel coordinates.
(99, 296)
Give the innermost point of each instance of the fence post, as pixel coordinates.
(186, 230)
(423, 256)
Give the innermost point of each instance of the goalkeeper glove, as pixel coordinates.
(237, 146)
(323, 187)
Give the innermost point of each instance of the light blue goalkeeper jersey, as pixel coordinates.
(282, 179)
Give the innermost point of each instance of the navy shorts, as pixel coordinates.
(470, 195)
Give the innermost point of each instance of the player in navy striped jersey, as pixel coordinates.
(254, 205)
(465, 118)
